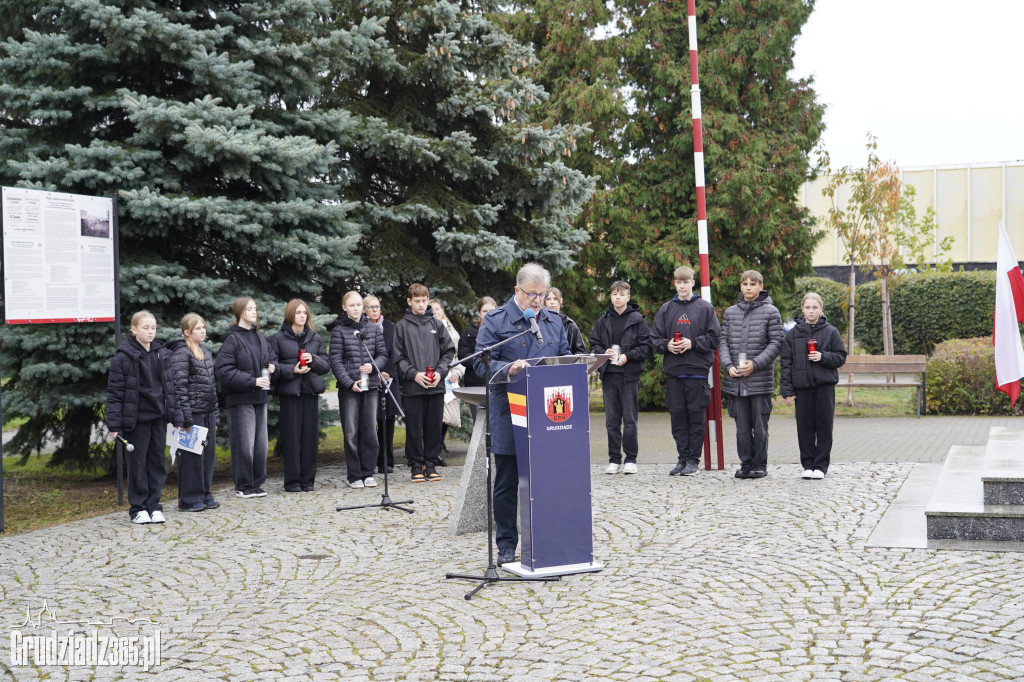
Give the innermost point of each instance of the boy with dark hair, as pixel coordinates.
(751, 340)
(421, 356)
(622, 325)
(686, 332)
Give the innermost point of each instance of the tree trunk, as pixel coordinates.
(887, 348)
(849, 330)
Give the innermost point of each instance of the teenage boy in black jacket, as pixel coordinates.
(624, 326)
(422, 342)
(687, 361)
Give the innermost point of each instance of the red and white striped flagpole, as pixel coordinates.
(714, 424)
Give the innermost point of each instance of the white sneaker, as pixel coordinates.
(629, 468)
(613, 468)
(807, 474)
(157, 517)
(818, 474)
(369, 482)
(355, 484)
(142, 517)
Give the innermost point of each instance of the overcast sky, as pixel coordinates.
(938, 82)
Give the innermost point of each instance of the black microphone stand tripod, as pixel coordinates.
(383, 390)
(490, 575)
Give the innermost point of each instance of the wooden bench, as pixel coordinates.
(909, 371)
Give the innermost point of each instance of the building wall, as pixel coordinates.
(969, 202)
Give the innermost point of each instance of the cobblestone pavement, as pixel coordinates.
(706, 577)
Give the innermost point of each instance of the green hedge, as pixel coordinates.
(927, 309)
(961, 379)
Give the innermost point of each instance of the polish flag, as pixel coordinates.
(1009, 314)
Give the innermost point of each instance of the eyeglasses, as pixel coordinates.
(533, 297)
(372, 307)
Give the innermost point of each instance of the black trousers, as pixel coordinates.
(751, 413)
(687, 402)
(423, 417)
(815, 412)
(386, 442)
(299, 425)
(621, 409)
(195, 472)
(147, 466)
(506, 501)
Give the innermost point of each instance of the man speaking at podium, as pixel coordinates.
(525, 307)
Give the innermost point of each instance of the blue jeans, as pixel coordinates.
(621, 405)
(359, 424)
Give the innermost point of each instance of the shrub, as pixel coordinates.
(961, 379)
(927, 309)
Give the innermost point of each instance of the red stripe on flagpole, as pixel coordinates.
(698, 136)
(701, 215)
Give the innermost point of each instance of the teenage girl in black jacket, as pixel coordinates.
(140, 402)
(196, 389)
(303, 358)
(812, 376)
(240, 365)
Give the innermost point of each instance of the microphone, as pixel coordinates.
(531, 315)
(358, 334)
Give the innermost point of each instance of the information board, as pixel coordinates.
(58, 257)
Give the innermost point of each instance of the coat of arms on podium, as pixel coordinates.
(558, 403)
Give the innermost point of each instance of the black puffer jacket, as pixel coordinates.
(195, 385)
(237, 367)
(123, 385)
(467, 346)
(347, 352)
(286, 345)
(797, 370)
(755, 328)
(421, 342)
(577, 346)
(635, 344)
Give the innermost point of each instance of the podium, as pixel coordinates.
(550, 410)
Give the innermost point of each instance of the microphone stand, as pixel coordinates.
(383, 390)
(490, 575)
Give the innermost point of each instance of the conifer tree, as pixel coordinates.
(202, 118)
(458, 185)
(759, 126)
(578, 47)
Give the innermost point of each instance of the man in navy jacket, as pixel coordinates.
(532, 283)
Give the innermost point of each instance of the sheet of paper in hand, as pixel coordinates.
(191, 440)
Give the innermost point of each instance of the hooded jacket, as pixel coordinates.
(286, 345)
(635, 344)
(195, 385)
(123, 384)
(347, 352)
(755, 328)
(697, 321)
(421, 342)
(797, 370)
(237, 366)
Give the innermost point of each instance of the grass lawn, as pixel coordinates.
(36, 495)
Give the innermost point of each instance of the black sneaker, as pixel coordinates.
(506, 556)
(677, 469)
(757, 473)
(431, 475)
(260, 492)
(743, 472)
(417, 475)
(212, 504)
